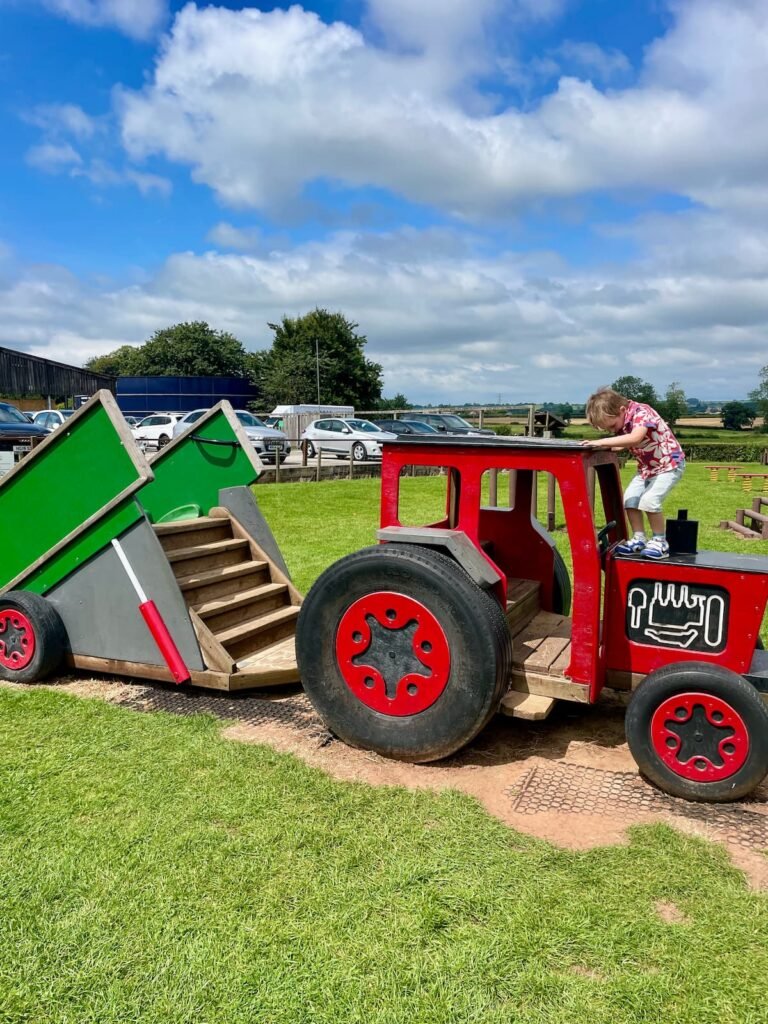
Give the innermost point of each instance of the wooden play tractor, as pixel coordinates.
(410, 647)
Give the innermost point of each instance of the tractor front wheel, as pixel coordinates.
(402, 653)
(699, 731)
(32, 637)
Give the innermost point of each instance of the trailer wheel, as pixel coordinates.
(400, 652)
(699, 731)
(32, 637)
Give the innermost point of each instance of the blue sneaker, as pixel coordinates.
(656, 548)
(634, 546)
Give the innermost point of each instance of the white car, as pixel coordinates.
(156, 431)
(338, 436)
(269, 443)
(52, 418)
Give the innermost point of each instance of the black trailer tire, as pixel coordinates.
(699, 731)
(462, 626)
(561, 591)
(32, 637)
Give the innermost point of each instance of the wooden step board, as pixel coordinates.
(541, 653)
(522, 602)
(242, 606)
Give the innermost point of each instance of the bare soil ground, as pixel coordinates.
(570, 779)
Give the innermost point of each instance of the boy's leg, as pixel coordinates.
(650, 503)
(635, 544)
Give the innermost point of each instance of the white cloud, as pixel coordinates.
(139, 19)
(452, 328)
(61, 119)
(227, 236)
(596, 61)
(53, 157)
(237, 95)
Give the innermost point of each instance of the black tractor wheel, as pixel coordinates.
(561, 591)
(32, 637)
(699, 731)
(402, 653)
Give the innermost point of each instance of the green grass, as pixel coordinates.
(151, 872)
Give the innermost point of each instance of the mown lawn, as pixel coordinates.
(152, 872)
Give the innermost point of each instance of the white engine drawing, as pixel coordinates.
(674, 616)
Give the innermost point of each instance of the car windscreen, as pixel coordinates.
(10, 415)
(249, 420)
(457, 421)
(66, 413)
(419, 428)
(365, 425)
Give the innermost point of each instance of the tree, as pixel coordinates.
(398, 402)
(674, 404)
(637, 389)
(288, 372)
(120, 363)
(192, 349)
(760, 397)
(736, 415)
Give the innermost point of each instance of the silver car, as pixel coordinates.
(270, 444)
(363, 438)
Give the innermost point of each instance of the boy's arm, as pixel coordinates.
(621, 441)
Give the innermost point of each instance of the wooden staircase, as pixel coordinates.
(242, 606)
(541, 652)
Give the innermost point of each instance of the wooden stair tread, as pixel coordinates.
(187, 525)
(201, 550)
(225, 604)
(279, 657)
(530, 707)
(253, 627)
(543, 645)
(223, 572)
(519, 590)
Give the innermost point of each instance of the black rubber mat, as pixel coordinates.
(577, 789)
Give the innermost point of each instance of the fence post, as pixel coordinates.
(303, 446)
(512, 487)
(351, 460)
(277, 466)
(318, 461)
(534, 494)
(550, 502)
(493, 487)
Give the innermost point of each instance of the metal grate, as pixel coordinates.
(293, 709)
(576, 789)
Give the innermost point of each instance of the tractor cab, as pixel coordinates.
(446, 622)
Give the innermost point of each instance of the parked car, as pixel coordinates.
(269, 443)
(52, 418)
(363, 438)
(448, 423)
(407, 427)
(132, 421)
(156, 430)
(16, 430)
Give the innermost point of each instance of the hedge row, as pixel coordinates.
(724, 452)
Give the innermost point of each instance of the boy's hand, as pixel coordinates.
(592, 443)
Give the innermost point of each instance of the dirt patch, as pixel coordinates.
(569, 780)
(671, 914)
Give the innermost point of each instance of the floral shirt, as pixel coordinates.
(659, 451)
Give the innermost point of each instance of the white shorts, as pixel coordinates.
(647, 495)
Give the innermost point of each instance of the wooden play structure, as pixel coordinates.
(163, 569)
(758, 520)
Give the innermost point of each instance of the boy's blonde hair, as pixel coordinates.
(605, 402)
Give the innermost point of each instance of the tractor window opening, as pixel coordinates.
(424, 500)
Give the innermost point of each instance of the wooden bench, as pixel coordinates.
(747, 478)
(714, 472)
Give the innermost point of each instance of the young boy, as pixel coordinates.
(660, 464)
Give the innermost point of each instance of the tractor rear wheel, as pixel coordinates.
(32, 637)
(400, 652)
(699, 731)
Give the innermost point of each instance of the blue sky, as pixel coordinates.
(515, 198)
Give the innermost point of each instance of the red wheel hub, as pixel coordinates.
(17, 639)
(699, 737)
(393, 653)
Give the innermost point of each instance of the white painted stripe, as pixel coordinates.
(131, 574)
